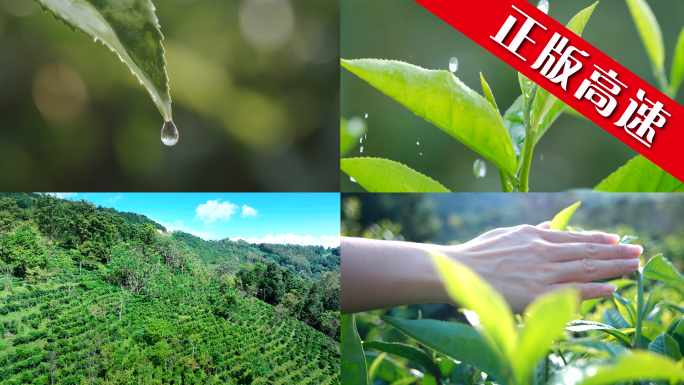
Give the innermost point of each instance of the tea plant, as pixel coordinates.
(506, 140)
(131, 30)
(628, 338)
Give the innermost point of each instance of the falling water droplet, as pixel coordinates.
(351, 178)
(421, 154)
(541, 157)
(361, 140)
(364, 136)
(453, 64)
(169, 133)
(417, 143)
(479, 168)
(366, 115)
(361, 149)
(543, 6)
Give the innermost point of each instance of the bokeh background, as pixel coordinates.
(255, 90)
(574, 153)
(657, 219)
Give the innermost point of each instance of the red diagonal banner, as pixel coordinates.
(574, 71)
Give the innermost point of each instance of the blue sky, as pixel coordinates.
(301, 218)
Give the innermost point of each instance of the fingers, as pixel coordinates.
(544, 225)
(577, 251)
(580, 237)
(585, 270)
(589, 290)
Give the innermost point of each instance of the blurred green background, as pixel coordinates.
(574, 153)
(657, 219)
(255, 90)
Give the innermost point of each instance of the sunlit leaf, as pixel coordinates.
(677, 74)
(459, 341)
(560, 221)
(592, 346)
(443, 100)
(515, 124)
(640, 175)
(625, 367)
(587, 305)
(352, 360)
(488, 92)
(613, 318)
(127, 27)
(660, 268)
(626, 308)
(472, 292)
(406, 351)
(649, 30)
(628, 239)
(383, 175)
(667, 346)
(543, 321)
(583, 326)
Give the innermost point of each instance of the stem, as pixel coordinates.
(528, 145)
(505, 184)
(562, 357)
(477, 374)
(640, 310)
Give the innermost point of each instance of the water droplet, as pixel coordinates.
(479, 168)
(417, 143)
(543, 6)
(421, 154)
(361, 140)
(453, 64)
(361, 149)
(366, 115)
(169, 133)
(364, 136)
(351, 178)
(541, 157)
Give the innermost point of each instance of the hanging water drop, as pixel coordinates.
(453, 64)
(366, 115)
(351, 178)
(479, 168)
(362, 149)
(543, 6)
(169, 133)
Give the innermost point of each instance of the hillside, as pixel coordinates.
(95, 296)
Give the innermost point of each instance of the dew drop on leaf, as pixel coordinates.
(453, 64)
(543, 6)
(479, 168)
(351, 178)
(169, 133)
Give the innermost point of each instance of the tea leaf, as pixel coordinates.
(640, 175)
(443, 100)
(352, 360)
(589, 304)
(583, 326)
(634, 366)
(649, 31)
(459, 341)
(613, 318)
(127, 27)
(628, 239)
(405, 351)
(515, 124)
(626, 309)
(470, 291)
(383, 175)
(544, 320)
(560, 221)
(661, 269)
(592, 346)
(677, 74)
(488, 92)
(666, 345)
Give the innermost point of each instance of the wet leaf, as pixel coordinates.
(640, 175)
(383, 175)
(649, 31)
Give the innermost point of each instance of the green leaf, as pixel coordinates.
(677, 74)
(592, 346)
(405, 381)
(443, 100)
(406, 351)
(352, 360)
(661, 269)
(543, 321)
(350, 133)
(577, 23)
(583, 326)
(560, 221)
(388, 369)
(459, 341)
(488, 92)
(571, 111)
(515, 124)
(127, 27)
(649, 30)
(472, 292)
(628, 239)
(634, 366)
(613, 318)
(640, 175)
(383, 175)
(447, 366)
(589, 304)
(667, 346)
(626, 308)
(374, 366)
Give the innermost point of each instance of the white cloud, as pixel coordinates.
(178, 225)
(306, 240)
(214, 210)
(62, 195)
(248, 211)
(112, 200)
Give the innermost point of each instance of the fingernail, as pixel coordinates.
(635, 250)
(608, 289)
(632, 264)
(612, 238)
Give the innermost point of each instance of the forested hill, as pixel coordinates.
(303, 261)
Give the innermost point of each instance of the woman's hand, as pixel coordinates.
(525, 261)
